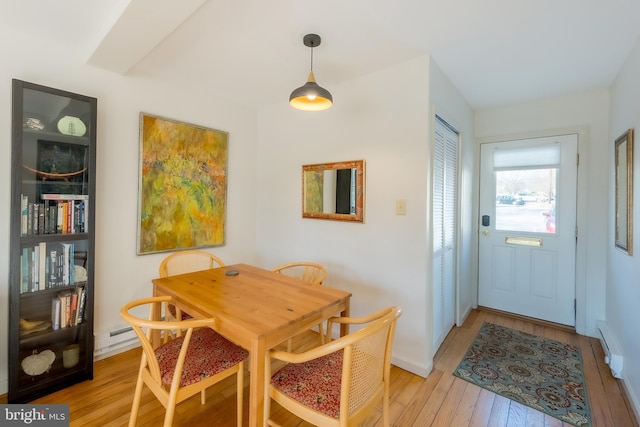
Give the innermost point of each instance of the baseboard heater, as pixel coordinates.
(612, 353)
(112, 342)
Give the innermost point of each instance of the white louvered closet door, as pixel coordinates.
(445, 184)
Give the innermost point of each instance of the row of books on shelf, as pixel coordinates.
(68, 307)
(47, 265)
(55, 214)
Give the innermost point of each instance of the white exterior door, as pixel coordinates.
(527, 242)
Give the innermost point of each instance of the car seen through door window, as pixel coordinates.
(509, 200)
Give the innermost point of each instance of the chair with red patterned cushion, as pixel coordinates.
(189, 358)
(186, 262)
(309, 272)
(341, 382)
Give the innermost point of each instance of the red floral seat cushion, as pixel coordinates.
(315, 383)
(172, 310)
(208, 353)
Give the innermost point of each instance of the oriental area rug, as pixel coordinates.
(537, 372)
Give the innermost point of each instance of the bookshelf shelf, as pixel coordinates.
(51, 271)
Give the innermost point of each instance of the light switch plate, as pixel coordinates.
(401, 207)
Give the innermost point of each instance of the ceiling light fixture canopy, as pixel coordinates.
(311, 96)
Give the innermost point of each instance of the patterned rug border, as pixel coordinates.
(577, 420)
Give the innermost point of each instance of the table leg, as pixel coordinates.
(257, 383)
(344, 327)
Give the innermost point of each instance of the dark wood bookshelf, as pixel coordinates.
(53, 155)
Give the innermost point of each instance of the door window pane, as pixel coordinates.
(525, 200)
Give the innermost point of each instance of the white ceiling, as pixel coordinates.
(496, 52)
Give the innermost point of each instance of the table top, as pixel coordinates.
(252, 304)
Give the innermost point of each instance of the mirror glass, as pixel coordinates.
(624, 191)
(334, 191)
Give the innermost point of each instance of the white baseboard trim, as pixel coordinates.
(419, 370)
(633, 399)
(116, 350)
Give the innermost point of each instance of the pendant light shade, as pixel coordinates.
(311, 96)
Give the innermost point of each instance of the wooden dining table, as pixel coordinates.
(256, 309)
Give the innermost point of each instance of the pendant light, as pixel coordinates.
(311, 96)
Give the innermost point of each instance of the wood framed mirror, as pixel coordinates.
(334, 191)
(624, 192)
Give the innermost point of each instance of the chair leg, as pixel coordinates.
(239, 391)
(168, 418)
(171, 405)
(136, 402)
(203, 397)
(289, 345)
(385, 410)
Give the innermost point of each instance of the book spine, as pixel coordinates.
(70, 218)
(81, 307)
(65, 217)
(40, 218)
(67, 311)
(42, 266)
(53, 218)
(59, 217)
(65, 197)
(55, 313)
(34, 218)
(65, 263)
(74, 309)
(45, 222)
(78, 315)
(63, 310)
(35, 286)
(72, 270)
(53, 268)
(77, 217)
(26, 270)
(85, 218)
(22, 272)
(24, 214)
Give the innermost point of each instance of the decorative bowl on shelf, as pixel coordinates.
(38, 363)
(69, 125)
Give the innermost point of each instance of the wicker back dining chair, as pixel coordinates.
(189, 358)
(186, 262)
(311, 272)
(308, 271)
(343, 380)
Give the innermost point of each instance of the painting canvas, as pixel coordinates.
(183, 185)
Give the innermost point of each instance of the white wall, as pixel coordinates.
(449, 104)
(381, 118)
(586, 112)
(384, 118)
(623, 272)
(121, 275)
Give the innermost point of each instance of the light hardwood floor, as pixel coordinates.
(439, 400)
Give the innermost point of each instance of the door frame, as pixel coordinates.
(581, 210)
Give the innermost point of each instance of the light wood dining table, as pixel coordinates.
(257, 309)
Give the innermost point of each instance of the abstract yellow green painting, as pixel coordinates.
(183, 185)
